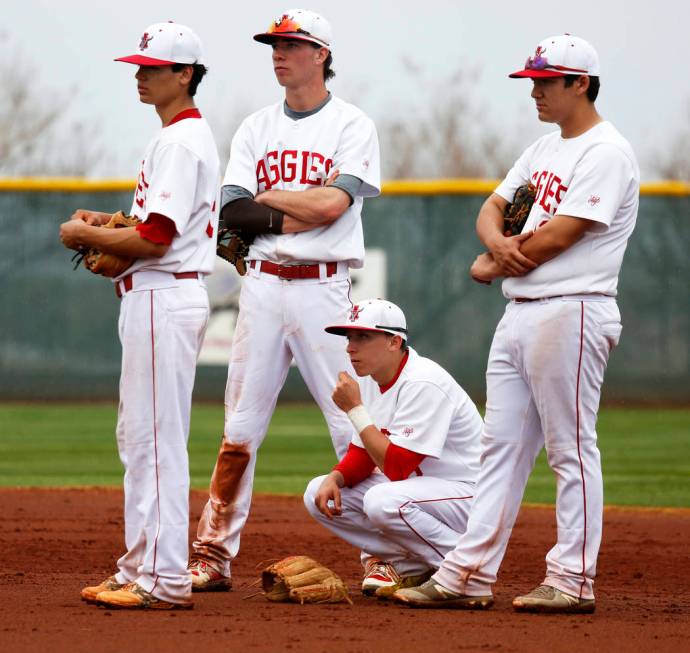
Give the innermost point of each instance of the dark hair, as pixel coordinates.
(328, 72)
(198, 72)
(592, 89)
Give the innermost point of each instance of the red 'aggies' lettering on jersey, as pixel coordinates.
(550, 190)
(140, 195)
(307, 168)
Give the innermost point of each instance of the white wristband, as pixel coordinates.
(360, 418)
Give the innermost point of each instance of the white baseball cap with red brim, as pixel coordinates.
(373, 315)
(299, 24)
(559, 56)
(163, 44)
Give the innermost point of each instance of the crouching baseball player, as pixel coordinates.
(163, 315)
(403, 490)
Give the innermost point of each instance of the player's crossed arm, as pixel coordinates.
(309, 209)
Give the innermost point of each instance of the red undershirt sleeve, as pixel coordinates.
(355, 466)
(157, 229)
(399, 463)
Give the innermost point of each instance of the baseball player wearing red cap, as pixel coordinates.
(550, 350)
(163, 314)
(403, 491)
(297, 176)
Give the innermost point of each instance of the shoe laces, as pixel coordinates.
(382, 569)
(542, 592)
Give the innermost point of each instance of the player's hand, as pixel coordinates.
(93, 218)
(506, 252)
(70, 233)
(485, 269)
(332, 177)
(346, 394)
(329, 493)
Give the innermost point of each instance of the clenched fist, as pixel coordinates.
(346, 394)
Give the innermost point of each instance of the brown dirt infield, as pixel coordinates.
(53, 542)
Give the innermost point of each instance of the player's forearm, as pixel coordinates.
(294, 226)
(319, 206)
(554, 238)
(376, 444)
(490, 222)
(123, 242)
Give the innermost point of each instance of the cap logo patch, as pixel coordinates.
(144, 43)
(354, 313)
(284, 24)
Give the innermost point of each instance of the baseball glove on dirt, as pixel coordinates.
(109, 265)
(233, 246)
(302, 580)
(516, 214)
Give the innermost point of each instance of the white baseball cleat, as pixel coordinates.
(378, 574)
(549, 599)
(206, 579)
(434, 595)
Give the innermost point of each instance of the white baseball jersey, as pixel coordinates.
(182, 152)
(593, 176)
(426, 411)
(273, 151)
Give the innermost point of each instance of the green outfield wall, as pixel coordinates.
(58, 327)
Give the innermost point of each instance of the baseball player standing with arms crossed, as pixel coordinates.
(163, 314)
(548, 357)
(308, 233)
(416, 425)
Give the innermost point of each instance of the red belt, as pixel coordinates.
(128, 281)
(522, 300)
(295, 271)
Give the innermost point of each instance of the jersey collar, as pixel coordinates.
(391, 383)
(187, 113)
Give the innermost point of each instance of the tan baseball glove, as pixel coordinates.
(233, 247)
(109, 265)
(517, 212)
(302, 580)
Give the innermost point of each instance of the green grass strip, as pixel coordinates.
(644, 451)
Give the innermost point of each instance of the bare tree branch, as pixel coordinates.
(37, 136)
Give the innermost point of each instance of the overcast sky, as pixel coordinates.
(643, 49)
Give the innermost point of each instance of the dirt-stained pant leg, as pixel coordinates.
(258, 367)
(278, 319)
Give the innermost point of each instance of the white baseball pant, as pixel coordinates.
(278, 320)
(161, 331)
(544, 377)
(410, 524)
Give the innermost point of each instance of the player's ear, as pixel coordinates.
(582, 84)
(186, 74)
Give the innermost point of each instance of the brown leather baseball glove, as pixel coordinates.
(302, 580)
(109, 265)
(233, 246)
(516, 213)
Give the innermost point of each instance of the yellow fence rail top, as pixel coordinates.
(397, 187)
